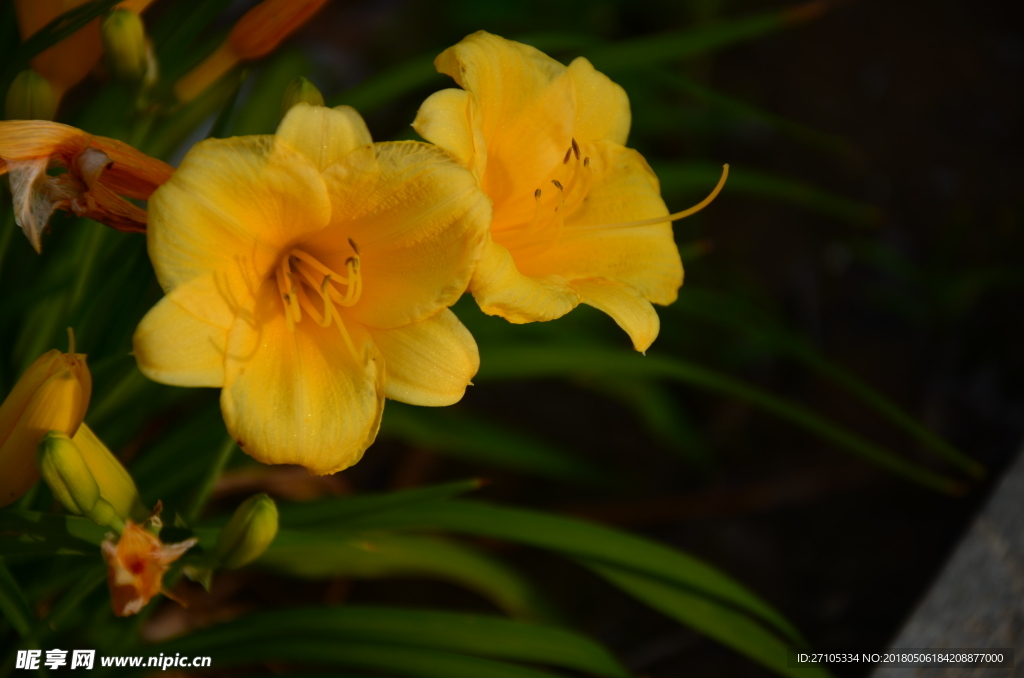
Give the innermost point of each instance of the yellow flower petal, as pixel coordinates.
(324, 135)
(525, 104)
(602, 107)
(626, 306)
(429, 363)
(173, 346)
(445, 119)
(646, 258)
(419, 221)
(229, 210)
(298, 396)
(500, 289)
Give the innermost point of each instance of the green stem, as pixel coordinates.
(206, 488)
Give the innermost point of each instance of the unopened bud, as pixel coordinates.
(115, 484)
(52, 395)
(30, 97)
(300, 90)
(72, 483)
(248, 534)
(124, 39)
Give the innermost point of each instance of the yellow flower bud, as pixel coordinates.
(52, 395)
(300, 90)
(115, 484)
(248, 534)
(124, 38)
(30, 97)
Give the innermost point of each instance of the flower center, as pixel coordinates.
(301, 278)
(562, 192)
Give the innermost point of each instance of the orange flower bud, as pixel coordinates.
(136, 564)
(52, 395)
(257, 33)
(99, 172)
(65, 64)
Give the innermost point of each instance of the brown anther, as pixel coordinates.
(575, 149)
(557, 184)
(586, 161)
(536, 194)
(355, 248)
(568, 154)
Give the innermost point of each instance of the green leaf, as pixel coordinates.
(336, 511)
(580, 539)
(742, 110)
(699, 177)
(13, 604)
(731, 312)
(478, 440)
(261, 110)
(527, 362)
(473, 634)
(33, 533)
(726, 625)
(362, 555)
(677, 45)
(393, 660)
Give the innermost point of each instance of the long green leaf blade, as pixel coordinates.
(319, 555)
(724, 624)
(696, 177)
(581, 539)
(394, 660)
(13, 604)
(472, 634)
(525, 362)
(478, 440)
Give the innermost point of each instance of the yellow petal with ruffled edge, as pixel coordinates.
(324, 135)
(626, 306)
(299, 396)
(176, 347)
(500, 289)
(419, 220)
(429, 363)
(445, 119)
(225, 216)
(602, 107)
(524, 107)
(646, 258)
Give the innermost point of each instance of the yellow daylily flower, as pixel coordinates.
(578, 217)
(52, 395)
(99, 171)
(300, 270)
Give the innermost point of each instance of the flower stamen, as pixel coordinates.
(678, 215)
(300, 270)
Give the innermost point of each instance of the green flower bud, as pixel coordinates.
(248, 534)
(300, 90)
(67, 474)
(30, 97)
(124, 39)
